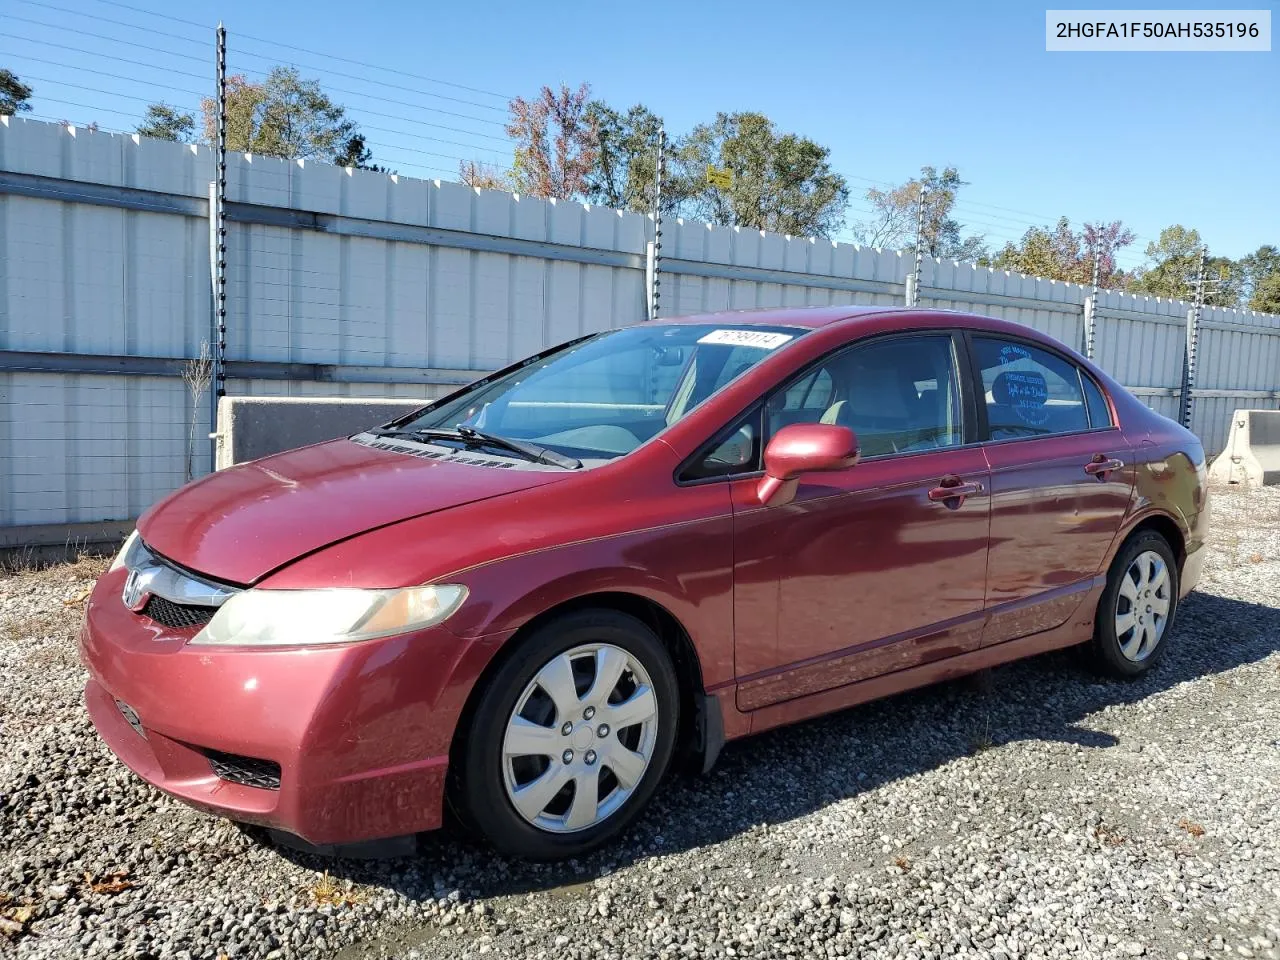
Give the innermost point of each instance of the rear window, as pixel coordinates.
(1029, 392)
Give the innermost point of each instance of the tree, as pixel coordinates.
(484, 176)
(897, 214)
(627, 160)
(354, 153)
(1060, 253)
(556, 143)
(1262, 279)
(15, 95)
(1266, 295)
(163, 122)
(1173, 261)
(781, 182)
(286, 116)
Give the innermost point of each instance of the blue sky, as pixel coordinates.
(1152, 139)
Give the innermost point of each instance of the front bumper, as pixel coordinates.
(361, 732)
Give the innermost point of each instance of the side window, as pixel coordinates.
(1029, 392)
(898, 396)
(736, 450)
(1099, 411)
(809, 393)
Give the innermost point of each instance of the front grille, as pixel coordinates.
(177, 615)
(249, 771)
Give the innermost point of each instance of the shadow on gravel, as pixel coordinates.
(788, 773)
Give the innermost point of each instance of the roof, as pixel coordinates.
(792, 316)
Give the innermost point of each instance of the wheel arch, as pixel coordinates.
(1167, 527)
(669, 630)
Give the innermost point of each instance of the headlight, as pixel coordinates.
(275, 618)
(122, 557)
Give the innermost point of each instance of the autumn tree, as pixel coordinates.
(781, 181)
(897, 211)
(556, 143)
(286, 116)
(163, 122)
(1172, 261)
(1060, 253)
(15, 96)
(485, 176)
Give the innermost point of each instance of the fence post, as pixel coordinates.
(1091, 313)
(1188, 369)
(218, 251)
(653, 249)
(911, 290)
(1193, 342)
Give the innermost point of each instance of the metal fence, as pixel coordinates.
(348, 282)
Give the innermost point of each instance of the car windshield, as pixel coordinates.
(602, 397)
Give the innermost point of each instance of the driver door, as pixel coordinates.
(875, 568)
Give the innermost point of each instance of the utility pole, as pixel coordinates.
(913, 281)
(653, 259)
(218, 250)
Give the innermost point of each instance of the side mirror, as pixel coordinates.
(804, 448)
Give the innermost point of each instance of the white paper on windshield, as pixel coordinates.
(747, 338)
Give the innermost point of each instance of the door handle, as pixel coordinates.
(1102, 465)
(954, 490)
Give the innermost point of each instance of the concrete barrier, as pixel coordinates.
(253, 427)
(1252, 455)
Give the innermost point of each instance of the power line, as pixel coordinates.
(114, 76)
(452, 143)
(153, 13)
(405, 103)
(94, 53)
(118, 23)
(373, 66)
(382, 83)
(85, 106)
(98, 36)
(62, 121)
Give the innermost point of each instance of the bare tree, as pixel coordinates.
(484, 176)
(196, 374)
(556, 143)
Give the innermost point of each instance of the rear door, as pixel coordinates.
(1061, 480)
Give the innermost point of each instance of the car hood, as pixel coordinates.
(240, 524)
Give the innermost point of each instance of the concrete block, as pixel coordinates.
(254, 427)
(1252, 455)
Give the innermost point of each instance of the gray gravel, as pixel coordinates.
(1032, 811)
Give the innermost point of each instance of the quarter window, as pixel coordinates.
(1029, 392)
(1099, 412)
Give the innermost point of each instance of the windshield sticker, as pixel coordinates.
(747, 338)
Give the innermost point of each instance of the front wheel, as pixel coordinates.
(1137, 607)
(570, 737)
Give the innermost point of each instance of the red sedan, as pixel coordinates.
(529, 597)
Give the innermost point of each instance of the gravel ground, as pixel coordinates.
(1031, 811)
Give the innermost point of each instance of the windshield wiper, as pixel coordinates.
(471, 437)
(530, 450)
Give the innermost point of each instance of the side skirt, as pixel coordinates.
(1076, 630)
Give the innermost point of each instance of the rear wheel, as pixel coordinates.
(570, 737)
(1138, 606)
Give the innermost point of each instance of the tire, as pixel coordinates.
(541, 732)
(1136, 590)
